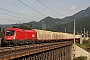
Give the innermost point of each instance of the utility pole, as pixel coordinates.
(65, 30)
(84, 33)
(74, 31)
(74, 40)
(42, 25)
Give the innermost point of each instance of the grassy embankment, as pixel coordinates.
(85, 45)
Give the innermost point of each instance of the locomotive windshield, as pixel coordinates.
(10, 32)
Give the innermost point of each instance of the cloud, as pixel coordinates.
(73, 8)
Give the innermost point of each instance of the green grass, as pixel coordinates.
(85, 45)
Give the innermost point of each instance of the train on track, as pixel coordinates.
(17, 36)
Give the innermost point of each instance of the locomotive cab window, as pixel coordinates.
(10, 32)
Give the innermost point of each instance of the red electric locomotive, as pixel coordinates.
(14, 36)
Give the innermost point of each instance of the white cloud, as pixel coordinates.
(73, 8)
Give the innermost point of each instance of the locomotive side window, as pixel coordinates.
(10, 32)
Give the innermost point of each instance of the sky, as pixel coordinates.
(23, 11)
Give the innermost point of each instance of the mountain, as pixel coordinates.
(80, 25)
(46, 22)
(81, 14)
(49, 21)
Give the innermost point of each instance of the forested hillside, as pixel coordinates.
(80, 25)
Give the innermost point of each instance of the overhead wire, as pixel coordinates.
(16, 13)
(49, 8)
(21, 15)
(31, 8)
(11, 16)
(8, 10)
(7, 20)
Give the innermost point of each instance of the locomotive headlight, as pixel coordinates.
(14, 38)
(33, 35)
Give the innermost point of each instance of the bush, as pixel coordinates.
(85, 41)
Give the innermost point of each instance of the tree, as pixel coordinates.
(23, 26)
(2, 32)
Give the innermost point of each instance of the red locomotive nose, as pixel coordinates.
(9, 38)
(9, 35)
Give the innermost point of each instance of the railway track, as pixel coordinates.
(7, 53)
